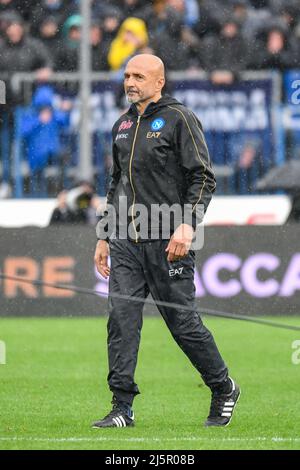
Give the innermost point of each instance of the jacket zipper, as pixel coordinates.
(130, 177)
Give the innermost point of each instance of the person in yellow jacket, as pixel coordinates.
(132, 37)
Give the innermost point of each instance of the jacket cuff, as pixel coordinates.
(102, 234)
(193, 217)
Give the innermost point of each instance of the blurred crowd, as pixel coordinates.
(220, 37)
(210, 35)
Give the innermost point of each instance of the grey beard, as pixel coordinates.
(132, 100)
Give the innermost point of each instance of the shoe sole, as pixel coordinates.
(227, 424)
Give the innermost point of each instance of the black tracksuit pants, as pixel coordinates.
(136, 270)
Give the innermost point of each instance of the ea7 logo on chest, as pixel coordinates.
(153, 135)
(125, 125)
(173, 272)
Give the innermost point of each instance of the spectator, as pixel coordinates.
(131, 7)
(67, 58)
(49, 34)
(6, 18)
(40, 128)
(9, 5)
(110, 24)
(163, 22)
(274, 50)
(59, 10)
(131, 39)
(106, 7)
(188, 9)
(22, 7)
(189, 42)
(100, 48)
(165, 26)
(225, 56)
(20, 52)
(252, 21)
(289, 14)
(77, 206)
(122, 8)
(211, 17)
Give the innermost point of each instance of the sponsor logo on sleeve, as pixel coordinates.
(121, 136)
(125, 125)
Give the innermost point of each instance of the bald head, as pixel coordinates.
(148, 63)
(144, 79)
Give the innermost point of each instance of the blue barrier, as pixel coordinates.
(243, 127)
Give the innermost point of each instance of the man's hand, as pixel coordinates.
(180, 243)
(101, 258)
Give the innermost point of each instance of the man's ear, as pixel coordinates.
(160, 83)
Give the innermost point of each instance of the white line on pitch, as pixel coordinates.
(149, 439)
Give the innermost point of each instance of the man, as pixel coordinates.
(22, 53)
(159, 156)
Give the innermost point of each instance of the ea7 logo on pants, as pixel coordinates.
(173, 272)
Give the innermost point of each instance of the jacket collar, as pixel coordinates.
(154, 106)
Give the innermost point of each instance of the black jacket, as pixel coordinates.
(222, 53)
(159, 158)
(27, 55)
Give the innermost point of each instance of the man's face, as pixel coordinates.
(230, 30)
(75, 34)
(139, 84)
(49, 29)
(15, 32)
(95, 35)
(275, 42)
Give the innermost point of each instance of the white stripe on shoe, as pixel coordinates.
(233, 385)
(122, 421)
(116, 421)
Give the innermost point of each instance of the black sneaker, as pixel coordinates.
(117, 418)
(222, 407)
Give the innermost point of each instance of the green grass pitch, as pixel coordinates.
(54, 385)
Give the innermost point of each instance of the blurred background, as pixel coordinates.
(235, 63)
